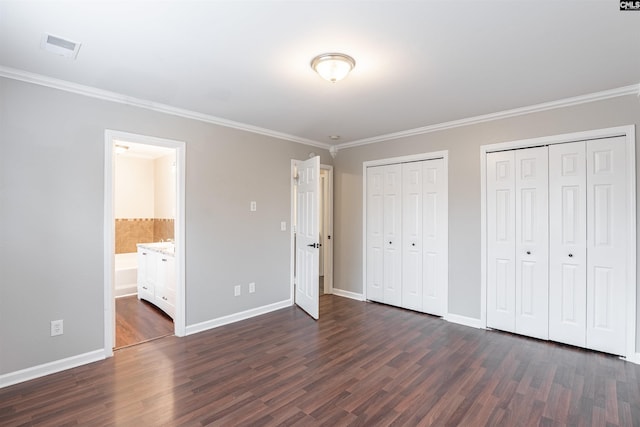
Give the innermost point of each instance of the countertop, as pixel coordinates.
(166, 248)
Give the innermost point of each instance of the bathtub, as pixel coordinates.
(126, 274)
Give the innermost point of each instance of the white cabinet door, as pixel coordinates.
(165, 284)
(307, 266)
(532, 244)
(606, 245)
(375, 233)
(392, 232)
(412, 235)
(501, 240)
(435, 235)
(567, 243)
(146, 275)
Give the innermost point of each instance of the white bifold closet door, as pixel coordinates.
(412, 247)
(406, 235)
(517, 238)
(384, 246)
(588, 244)
(434, 237)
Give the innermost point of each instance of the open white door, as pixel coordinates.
(307, 261)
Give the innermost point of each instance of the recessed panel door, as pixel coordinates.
(606, 245)
(532, 245)
(307, 236)
(412, 235)
(392, 229)
(375, 233)
(434, 232)
(567, 243)
(501, 241)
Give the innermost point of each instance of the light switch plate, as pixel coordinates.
(254, 206)
(283, 226)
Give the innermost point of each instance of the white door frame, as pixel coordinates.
(328, 273)
(109, 230)
(327, 207)
(444, 154)
(626, 131)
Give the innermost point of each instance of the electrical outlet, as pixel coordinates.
(254, 206)
(252, 287)
(283, 226)
(236, 291)
(57, 327)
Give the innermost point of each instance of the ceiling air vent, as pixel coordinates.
(60, 46)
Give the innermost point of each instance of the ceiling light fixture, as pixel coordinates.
(333, 66)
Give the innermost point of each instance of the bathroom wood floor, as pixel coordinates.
(139, 321)
(361, 364)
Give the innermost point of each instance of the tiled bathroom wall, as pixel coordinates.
(130, 231)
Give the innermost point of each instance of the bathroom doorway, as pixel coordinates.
(144, 229)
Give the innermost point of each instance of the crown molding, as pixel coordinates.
(567, 102)
(105, 95)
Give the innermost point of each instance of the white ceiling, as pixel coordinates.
(419, 63)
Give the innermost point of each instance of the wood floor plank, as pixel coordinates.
(139, 321)
(361, 364)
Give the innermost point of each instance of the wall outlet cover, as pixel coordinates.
(236, 290)
(57, 327)
(252, 287)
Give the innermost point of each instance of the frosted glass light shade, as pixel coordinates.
(333, 66)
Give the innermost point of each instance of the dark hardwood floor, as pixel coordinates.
(139, 321)
(360, 364)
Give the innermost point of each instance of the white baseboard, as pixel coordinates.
(464, 320)
(348, 294)
(135, 292)
(634, 359)
(50, 368)
(236, 317)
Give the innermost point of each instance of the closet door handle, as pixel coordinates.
(528, 252)
(413, 244)
(570, 255)
(389, 241)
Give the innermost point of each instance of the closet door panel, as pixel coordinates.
(375, 233)
(532, 243)
(501, 240)
(412, 235)
(434, 256)
(567, 243)
(392, 289)
(606, 245)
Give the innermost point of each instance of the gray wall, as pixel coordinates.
(51, 217)
(464, 187)
(51, 210)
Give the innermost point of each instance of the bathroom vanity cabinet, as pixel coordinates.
(157, 276)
